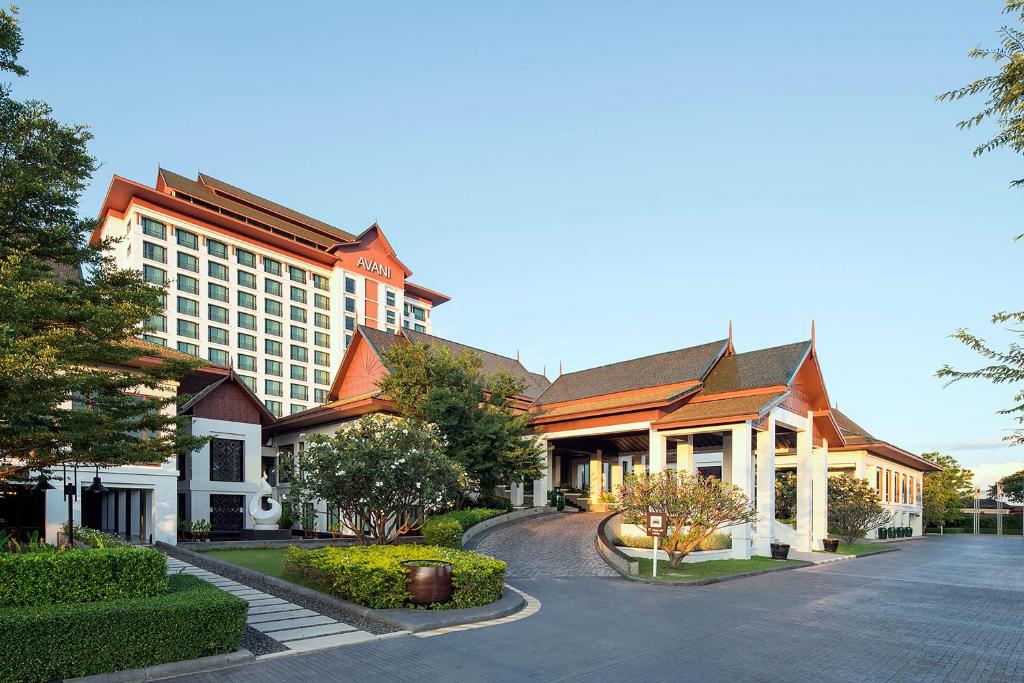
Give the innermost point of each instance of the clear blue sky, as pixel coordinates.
(593, 182)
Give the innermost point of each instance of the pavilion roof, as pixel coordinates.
(771, 367)
(726, 409)
(858, 438)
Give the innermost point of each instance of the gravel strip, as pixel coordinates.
(260, 643)
(322, 606)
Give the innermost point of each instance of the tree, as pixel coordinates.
(1013, 487)
(69, 318)
(695, 507)
(943, 493)
(472, 411)
(785, 494)
(1004, 106)
(384, 473)
(853, 508)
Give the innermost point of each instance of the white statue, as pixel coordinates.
(264, 519)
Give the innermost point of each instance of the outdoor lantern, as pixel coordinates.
(97, 485)
(43, 484)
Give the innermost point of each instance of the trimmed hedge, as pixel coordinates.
(372, 575)
(48, 642)
(74, 576)
(440, 529)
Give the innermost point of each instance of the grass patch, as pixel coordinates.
(861, 549)
(267, 561)
(699, 571)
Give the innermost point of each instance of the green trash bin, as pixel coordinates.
(559, 500)
(908, 531)
(899, 532)
(883, 533)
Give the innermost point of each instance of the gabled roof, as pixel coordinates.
(857, 438)
(672, 367)
(770, 367)
(732, 409)
(266, 417)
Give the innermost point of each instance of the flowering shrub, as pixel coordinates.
(384, 474)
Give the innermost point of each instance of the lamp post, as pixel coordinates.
(70, 493)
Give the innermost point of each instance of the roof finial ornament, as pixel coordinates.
(559, 368)
(517, 357)
(545, 373)
(812, 334)
(730, 348)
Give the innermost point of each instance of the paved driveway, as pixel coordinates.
(947, 608)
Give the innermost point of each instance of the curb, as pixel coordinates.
(719, 579)
(474, 540)
(171, 669)
(411, 620)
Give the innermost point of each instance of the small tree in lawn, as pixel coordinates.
(853, 508)
(384, 473)
(695, 507)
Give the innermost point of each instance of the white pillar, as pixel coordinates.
(542, 486)
(556, 469)
(658, 445)
(743, 477)
(804, 446)
(766, 488)
(819, 510)
(596, 476)
(684, 454)
(516, 495)
(727, 456)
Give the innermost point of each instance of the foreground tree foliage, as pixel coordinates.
(1004, 107)
(472, 411)
(69, 318)
(695, 507)
(385, 475)
(943, 493)
(853, 508)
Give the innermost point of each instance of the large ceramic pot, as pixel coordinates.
(831, 545)
(430, 581)
(780, 551)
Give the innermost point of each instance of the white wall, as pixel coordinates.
(200, 487)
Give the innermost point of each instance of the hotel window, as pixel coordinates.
(350, 285)
(273, 387)
(274, 407)
(390, 330)
(888, 477)
(299, 392)
(321, 320)
(187, 239)
(247, 362)
(322, 339)
(154, 340)
(158, 323)
(154, 228)
(320, 282)
(390, 317)
(419, 328)
(350, 323)
(321, 377)
(298, 314)
(246, 279)
(299, 353)
(218, 314)
(154, 275)
(298, 333)
(273, 367)
(272, 287)
(187, 328)
(350, 305)
(273, 307)
(321, 358)
(247, 300)
(226, 459)
(418, 313)
(273, 348)
(218, 292)
(273, 327)
(219, 271)
(187, 261)
(247, 321)
(218, 335)
(187, 284)
(245, 258)
(218, 356)
(190, 349)
(321, 301)
(389, 298)
(154, 252)
(297, 294)
(298, 372)
(249, 382)
(297, 274)
(320, 395)
(348, 340)
(188, 306)
(271, 266)
(296, 408)
(246, 341)
(215, 248)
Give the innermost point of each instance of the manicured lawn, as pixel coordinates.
(712, 568)
(265, 560)
(861, 548)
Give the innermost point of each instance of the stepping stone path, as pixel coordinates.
(295, 627)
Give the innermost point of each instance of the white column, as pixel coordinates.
(803, 490)
(596, 476)
(766, 488)
(556, 469)
(658, 445)
(684, 454)
(727, 456)
(516, 495)
(743, 477)
(819, 510)
(542, 486)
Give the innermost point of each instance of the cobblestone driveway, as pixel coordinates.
(555, 545)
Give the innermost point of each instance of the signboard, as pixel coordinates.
(374, 267)
(656, 524)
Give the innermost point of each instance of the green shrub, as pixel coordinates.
(47, 642)
(373, 575)
(717, 541)
(97, 539)
(74, 576)
(438, 529)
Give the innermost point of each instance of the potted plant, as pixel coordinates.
(831, 545)
(780, 551)
(201, 530)
(184, 530)
(335, 529)
(430, 581)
